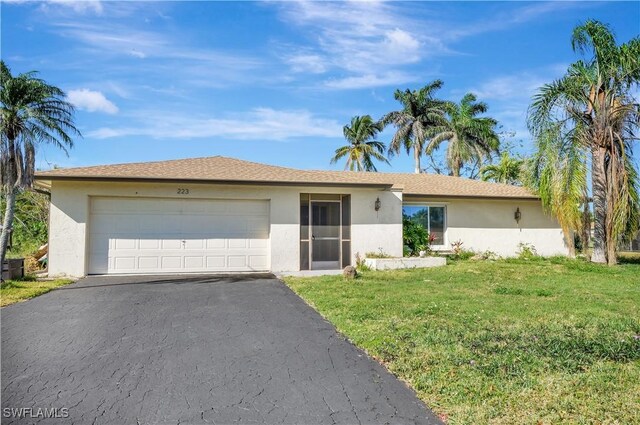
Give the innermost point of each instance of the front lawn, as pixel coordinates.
(13, 291)
(511, 341)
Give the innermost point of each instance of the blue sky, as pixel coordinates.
(275, 81)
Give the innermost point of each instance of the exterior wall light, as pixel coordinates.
(377, 204)
(517, 215)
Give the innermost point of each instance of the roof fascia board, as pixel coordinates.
(412, 197)
(200, 181)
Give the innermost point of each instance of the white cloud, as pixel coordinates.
(401, 41)
(80, 6)
(314, 64)
(504, 20)
(114, 39)
(509, 86)
(371, 80)
(92, 101)
(509, 96)
(68, 8)
(520, 85)
(199, 66)
(256, 124)
(370, 41)
(77, 6)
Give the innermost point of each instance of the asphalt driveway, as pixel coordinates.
(189, 349)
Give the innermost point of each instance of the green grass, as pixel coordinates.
(13, 291)
(510, 341)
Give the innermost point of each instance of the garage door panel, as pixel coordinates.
(148, 263)
(216, 243)
(194, 263)
(99, 243)
(173, 235)
(127, 224)
(171, 244)
(170, 224)
(258, 262)
(237, 243)
(100, 262)
(257, 224)
(153, 244)
(151, 223)
(191, 244)
(237, 261)
(197, 221)
(258, 243)
(124, 263)
(217, 262)
(168, 262)
(126, 244)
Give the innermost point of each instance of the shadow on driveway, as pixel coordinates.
(191, 349)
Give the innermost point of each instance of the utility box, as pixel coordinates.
(13, 268)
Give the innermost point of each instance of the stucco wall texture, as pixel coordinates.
(481, 224)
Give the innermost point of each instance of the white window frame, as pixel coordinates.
(445, 239)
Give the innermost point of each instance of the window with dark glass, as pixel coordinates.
(431, 217)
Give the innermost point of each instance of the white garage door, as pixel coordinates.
(176, 235)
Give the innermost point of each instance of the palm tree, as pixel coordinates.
(420, 112)
(591, 111)
(507, 171)
(32, 112)
(469, 137)
(558, 174)
(361, 150)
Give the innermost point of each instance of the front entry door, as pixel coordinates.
(325, 235)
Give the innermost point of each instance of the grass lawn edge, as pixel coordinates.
(20, 290)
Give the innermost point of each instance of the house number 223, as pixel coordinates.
(183, 191)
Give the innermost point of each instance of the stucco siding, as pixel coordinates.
(490, 225)
(372, 230)
(70, 215)
(480, 224)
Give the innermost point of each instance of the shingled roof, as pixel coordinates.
(230, 170)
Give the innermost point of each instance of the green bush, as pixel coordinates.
(415, 236)
(30, 223)
(463, 254)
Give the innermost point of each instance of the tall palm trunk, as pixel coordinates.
(612, 197)
(599, 187)
(9, 186)
(569, 239)
(416, 156)
(586, 227)
(456, 168)
(6, 223)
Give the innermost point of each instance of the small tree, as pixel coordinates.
(32, 112)
(590, 119)
(420, 112)
(361, 150)
(469, 137)
(508, 171)
(414, 235)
